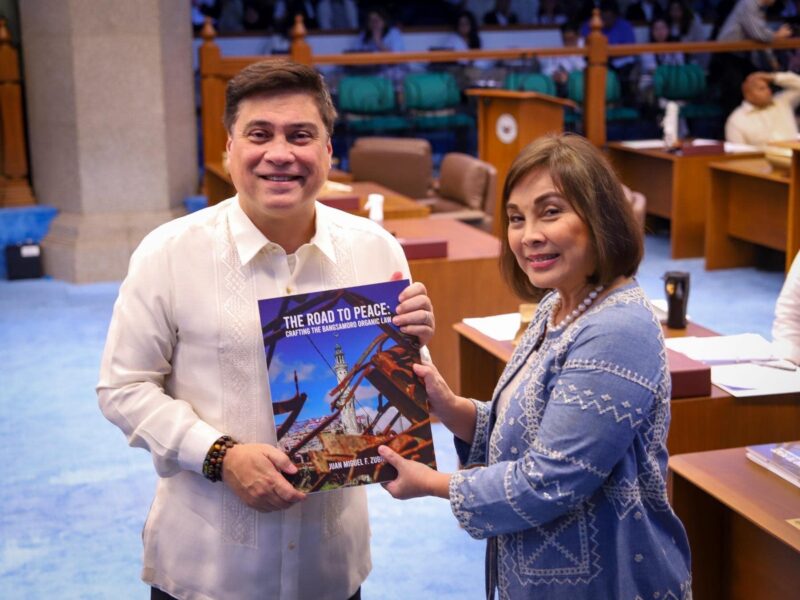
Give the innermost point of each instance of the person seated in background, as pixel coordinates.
(618, 31)
(650, 61)
(337, 14)
(558, 68)
(566, 466)
(686, 26)
(286, 10)
(763, 117)
(786, 326)
(379, 35)
(644, 11)
(466, 36)
(259, 15)
(747, 21)
(501, 14)
(551, 12)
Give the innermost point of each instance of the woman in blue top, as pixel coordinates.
(379, 36)
(567, 463)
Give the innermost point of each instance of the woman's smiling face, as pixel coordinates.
(549, 239)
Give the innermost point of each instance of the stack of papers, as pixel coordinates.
(743, 365)
(498, 327)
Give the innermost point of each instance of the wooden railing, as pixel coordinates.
(15, 187)
(216, 70)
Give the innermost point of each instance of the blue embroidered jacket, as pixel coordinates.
(573, 490)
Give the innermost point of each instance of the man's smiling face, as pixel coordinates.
(279, 156)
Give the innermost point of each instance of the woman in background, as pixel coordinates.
(567, 464)
(466, 36)
(379, 36)
(685, 26)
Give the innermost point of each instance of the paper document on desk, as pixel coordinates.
(661, 310)
(742, 380)
(498, 327)
(743, 365)
(724, 349)
(644, 144)
(736, 148)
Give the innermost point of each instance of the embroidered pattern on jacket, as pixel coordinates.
(238, 354)
(566, 550)
(573, 537)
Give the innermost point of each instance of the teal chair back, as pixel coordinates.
(679, 82)
(366, 94)
(530, 82)
(614, 112)
(431, 91)
(575, 87)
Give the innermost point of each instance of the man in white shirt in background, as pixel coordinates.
(558, 68)
(763, 117)
(184, 361)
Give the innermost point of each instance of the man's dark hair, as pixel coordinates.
(278, 76)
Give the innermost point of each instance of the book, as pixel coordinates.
(342, 384)
(783, 459)
(788, 455)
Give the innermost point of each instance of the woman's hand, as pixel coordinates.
(413, 479)
(441, 398)
(458, 414)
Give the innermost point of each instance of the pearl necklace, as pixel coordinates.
(581, 308)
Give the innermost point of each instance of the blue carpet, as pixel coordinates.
(75, 496)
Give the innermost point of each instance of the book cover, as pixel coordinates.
(765, 455)
(342, 384)
(788, 455)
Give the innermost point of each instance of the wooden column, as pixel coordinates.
(594, 99)
(15, 188)
(212, 92)
(300, 51)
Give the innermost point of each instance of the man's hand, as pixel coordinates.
(253, 472)
(413, 479)
(415, 311)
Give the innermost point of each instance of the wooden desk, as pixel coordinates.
(735, 514)
(395, 205)
(751, 204)
(718, 420)
(465, 284)
(677, 188)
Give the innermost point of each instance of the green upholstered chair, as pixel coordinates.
(433, 101)
(687, 85)
(367, 103)
(530, 82)
(614, 111)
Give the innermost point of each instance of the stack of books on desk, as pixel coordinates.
(782, 459)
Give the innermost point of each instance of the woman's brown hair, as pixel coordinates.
(585, 178)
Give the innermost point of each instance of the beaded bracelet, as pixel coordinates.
(212, 465)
